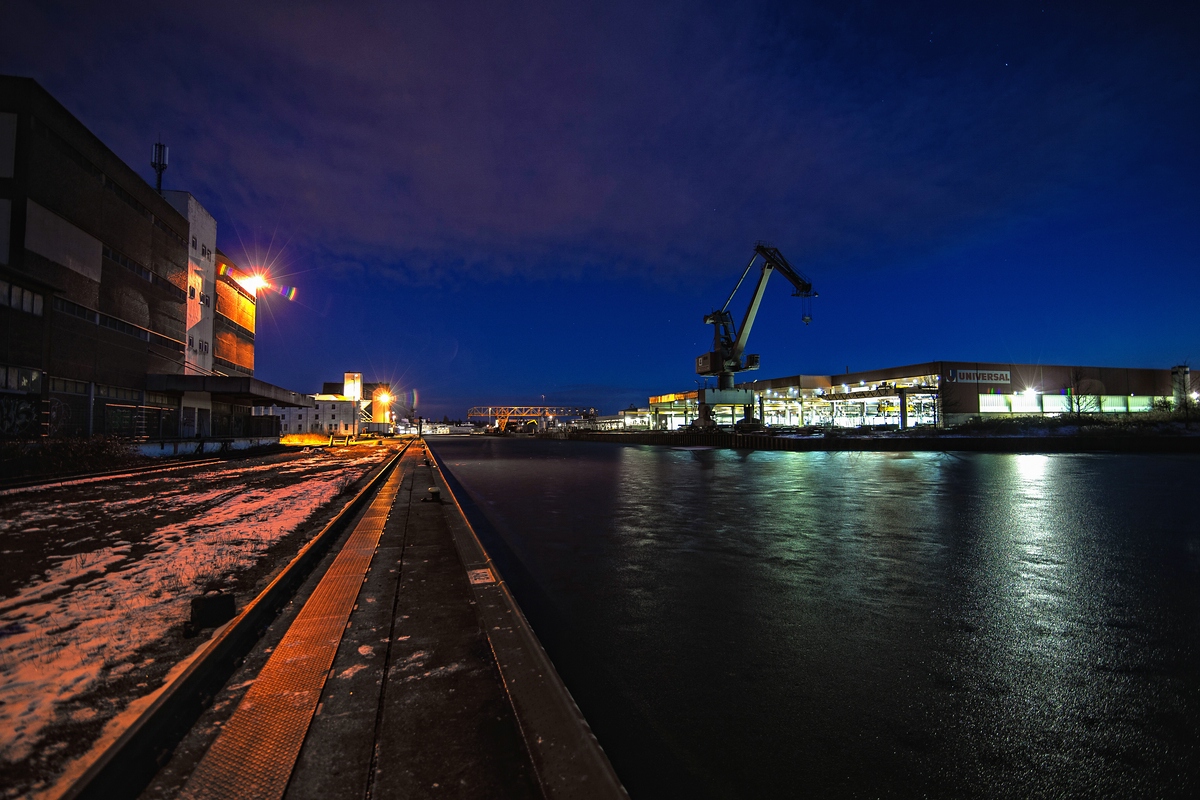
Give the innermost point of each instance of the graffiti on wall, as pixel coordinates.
(18, 416)
(60, 416)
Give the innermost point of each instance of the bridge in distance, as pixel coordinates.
(501, 415)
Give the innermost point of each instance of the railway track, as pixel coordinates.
(35, 484)
(123, 769)
(402, 662)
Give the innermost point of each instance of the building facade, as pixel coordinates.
(201, 281)
(234, 319)
(933, 393)
(331, 415)
(338, 410)
(104, 299)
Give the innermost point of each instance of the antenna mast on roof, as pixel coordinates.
(159, 161)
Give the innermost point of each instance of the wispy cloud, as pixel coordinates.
(427, 139)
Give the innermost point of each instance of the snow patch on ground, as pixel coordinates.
(87, 616)
(350, 672)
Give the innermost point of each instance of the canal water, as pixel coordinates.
(769, 624)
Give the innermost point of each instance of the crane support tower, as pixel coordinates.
(728, 355)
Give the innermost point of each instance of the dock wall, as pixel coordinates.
(1115, 443)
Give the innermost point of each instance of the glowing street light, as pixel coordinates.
(252, 282)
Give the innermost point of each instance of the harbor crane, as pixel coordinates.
(728, 356)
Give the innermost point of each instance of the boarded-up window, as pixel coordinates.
(233, 348)
(50, 235)
(235, 306)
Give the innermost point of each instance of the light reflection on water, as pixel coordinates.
(769, 624)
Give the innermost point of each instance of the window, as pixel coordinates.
(67, 307)
(118, 393)
(193, 242)
(124, 327)
(19, 379)
(21, 299)
(191, 293)
(128, 263)
(191, 343)
(67, 386)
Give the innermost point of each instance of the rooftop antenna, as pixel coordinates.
(159, 161)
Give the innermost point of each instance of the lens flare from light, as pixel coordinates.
(254, 282)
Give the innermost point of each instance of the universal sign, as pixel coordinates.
(980, 376)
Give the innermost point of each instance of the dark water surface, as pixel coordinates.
(768, 624)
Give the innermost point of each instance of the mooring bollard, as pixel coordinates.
(209, 611)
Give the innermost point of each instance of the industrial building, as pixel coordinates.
(116, 315)
(930, 394)
(934, 393)
(348, 408)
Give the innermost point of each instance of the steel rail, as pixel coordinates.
(33, 484)
(127, 766)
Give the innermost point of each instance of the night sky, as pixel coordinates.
(492, 202)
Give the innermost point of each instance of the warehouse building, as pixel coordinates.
(935, 393)
(349, 408)
(107, 290)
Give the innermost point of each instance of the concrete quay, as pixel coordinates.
(884, 442)
(403, 669)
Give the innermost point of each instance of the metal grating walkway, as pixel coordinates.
(255, 753)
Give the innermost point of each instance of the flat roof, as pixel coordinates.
(229, 388)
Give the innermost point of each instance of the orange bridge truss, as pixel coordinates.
(502, 414)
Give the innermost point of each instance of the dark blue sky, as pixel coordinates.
(495, 202)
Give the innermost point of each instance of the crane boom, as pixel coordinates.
(729, 343)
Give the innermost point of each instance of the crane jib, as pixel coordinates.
(729, 342)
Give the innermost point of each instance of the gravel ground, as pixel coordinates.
(96, 581)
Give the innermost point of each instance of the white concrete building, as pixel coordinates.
(332, 414)
(201, 282)
(202, 278)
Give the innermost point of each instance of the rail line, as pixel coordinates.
(35, 484)
(130, 763)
